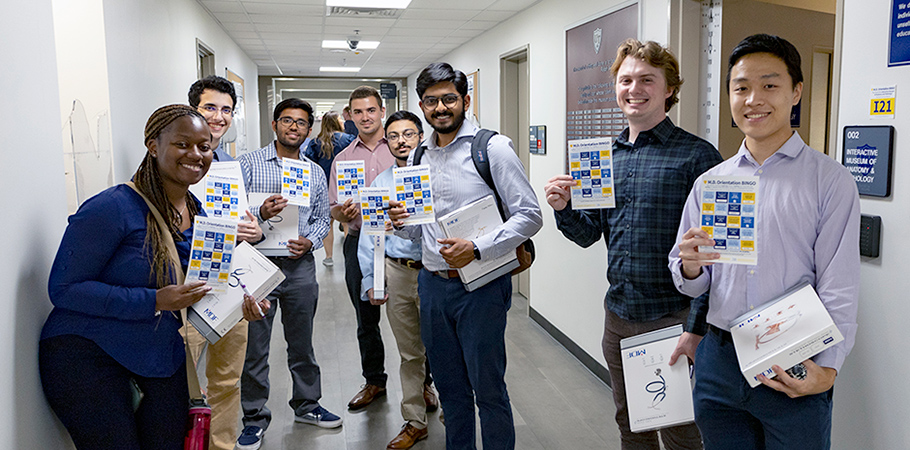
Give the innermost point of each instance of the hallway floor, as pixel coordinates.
(557, 403)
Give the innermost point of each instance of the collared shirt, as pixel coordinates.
(262, 173)
(455, 182)
(808, 229)
(653, 176)
(219, 154)
(374, 161)
(395, 246)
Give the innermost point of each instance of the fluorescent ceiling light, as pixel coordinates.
(363, 45)
(372, 4)
(339, 69)
(325, 103)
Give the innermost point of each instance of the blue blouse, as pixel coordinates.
(103, 288)
(313, 151)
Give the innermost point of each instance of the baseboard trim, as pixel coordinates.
(582, 356)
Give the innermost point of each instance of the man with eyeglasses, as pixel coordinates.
(464, 332)
(404, 132)
(297, 295)
(214, 97)
(372, 148)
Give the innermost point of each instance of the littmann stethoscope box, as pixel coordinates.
(785, 331)
(658, 395)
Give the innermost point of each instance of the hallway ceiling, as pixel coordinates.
(284, 37)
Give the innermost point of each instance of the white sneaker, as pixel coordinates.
(328, 262)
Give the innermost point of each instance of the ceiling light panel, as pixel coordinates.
(339, 69)
(373, 4)
(363, 45)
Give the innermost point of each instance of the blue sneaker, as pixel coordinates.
(250, 438)
(320, 417)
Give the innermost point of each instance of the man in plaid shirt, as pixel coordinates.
(654, 166)
(297, 295)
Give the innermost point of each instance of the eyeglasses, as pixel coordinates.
(212, 110)
(408, 135)
(287, 121)
(449, 100)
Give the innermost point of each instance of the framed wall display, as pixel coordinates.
(237, 146)
(867, 155)
(591, 109)
(899, 39)
(472, 91)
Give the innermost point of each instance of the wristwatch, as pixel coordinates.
(476, 252)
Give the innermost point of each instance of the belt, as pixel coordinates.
(447, 274)
(724, 335)
(409, 263)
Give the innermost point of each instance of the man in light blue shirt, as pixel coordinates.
(464, 332)
(807, 230)
(404, 131)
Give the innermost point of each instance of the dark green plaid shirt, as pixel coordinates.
(653, 178)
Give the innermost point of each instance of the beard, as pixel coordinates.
(289, 143)
(457, 120)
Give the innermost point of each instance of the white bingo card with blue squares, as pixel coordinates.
(350, 176)
(212, 251)
(374, 202)
(729, 208)
(412, 187)
(591, 166)
(225, 197)
(295, 181)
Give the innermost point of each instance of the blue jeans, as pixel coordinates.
(464, 334)
(732, 415)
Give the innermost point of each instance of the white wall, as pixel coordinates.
(871, 404)
(151, 58)
(567, 282)
(30, 160)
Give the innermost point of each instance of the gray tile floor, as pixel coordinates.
(557, 403)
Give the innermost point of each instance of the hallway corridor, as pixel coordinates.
(557, 403)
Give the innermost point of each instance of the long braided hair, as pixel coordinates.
(330, 126)
(148, 179)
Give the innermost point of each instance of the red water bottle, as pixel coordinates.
(198, 423)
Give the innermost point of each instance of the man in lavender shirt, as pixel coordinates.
(372, 148)
(808, 230)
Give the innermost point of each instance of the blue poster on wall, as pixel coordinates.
(899, 41)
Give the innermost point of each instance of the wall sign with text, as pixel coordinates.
(867, 155)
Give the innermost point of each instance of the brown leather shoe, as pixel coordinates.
(366, 396)
(408, 437)
(429, 397)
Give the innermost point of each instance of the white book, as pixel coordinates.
(216, 314)
(378, 265)
(350, 177)
(729, 212)
(295, 181)
(276, 230)
(471, 222)
(591, 166)
(785, 331)
(658, 395)
(211, 252)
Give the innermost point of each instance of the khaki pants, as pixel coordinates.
(223, 366)
(403, 309)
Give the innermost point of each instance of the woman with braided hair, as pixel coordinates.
(111, 358)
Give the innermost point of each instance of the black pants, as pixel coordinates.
(91, 394)
(372, 353)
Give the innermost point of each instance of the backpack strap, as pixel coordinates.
(418, 154)
(482, 163)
